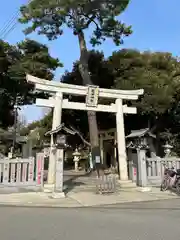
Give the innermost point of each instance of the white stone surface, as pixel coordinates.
(54, 86)
(122, 158)
(48, 188)
(82, 106)
(57, 114)
(58, 186)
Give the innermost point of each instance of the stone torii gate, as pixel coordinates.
(92, 93)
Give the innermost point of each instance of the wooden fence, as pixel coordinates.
(156, 166)
(22, 172)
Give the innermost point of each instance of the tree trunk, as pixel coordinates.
(84, 71)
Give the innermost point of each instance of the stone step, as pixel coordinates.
(126, 184)
(83, 183)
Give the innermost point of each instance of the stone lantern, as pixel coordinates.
(59, 136)
(167, 149)
(76, 158)
(139, 142)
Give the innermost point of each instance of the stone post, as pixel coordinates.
(27, 149)
(115, 150)
(57, 113)
(25, 153)
(30, 148)
(141, 167)
(122, 158)
(130, 163)
(58, 186)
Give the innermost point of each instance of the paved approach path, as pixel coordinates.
(92, 223)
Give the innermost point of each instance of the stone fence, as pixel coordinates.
(149, 171)
(156, 166)
(22, 172)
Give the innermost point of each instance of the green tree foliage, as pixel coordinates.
(102, 76)
(8, 55)
(49, 17)
(15, 61)
(99, 71)
(157, 73)
(45, 124)
(34, 59)
(37, 129)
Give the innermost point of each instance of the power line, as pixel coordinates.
(6, 33)
(11, 24)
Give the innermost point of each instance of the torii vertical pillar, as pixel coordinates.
(121, 144)
(57, 114)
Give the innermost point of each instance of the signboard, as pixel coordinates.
(59, 171)
(97, 159)
(92, 96)
(96, 155)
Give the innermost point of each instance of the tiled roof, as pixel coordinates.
(140, 133)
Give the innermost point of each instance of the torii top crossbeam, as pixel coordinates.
(53, 87)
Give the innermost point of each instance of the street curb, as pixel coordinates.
(37, 206)
(79, 206)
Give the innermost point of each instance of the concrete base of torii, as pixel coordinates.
(48, 188)
(57, 195)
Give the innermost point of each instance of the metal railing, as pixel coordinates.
(106, 184)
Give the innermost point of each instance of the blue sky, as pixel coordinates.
(155, 23)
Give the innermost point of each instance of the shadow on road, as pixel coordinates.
(169, 204)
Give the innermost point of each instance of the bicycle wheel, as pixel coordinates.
(178, 186)
(164, 185)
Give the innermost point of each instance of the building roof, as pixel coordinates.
(60, 128)
(140, 133)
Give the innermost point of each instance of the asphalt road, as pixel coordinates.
(145, 221)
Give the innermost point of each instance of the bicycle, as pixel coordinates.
(171, 179)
